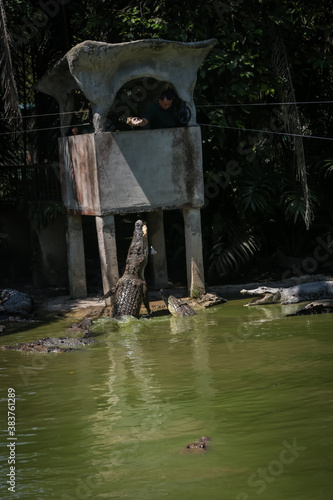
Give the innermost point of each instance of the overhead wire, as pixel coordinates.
(201, 124)
(46, 128)
(293, 103)
(198, 106)
(267, 132)
(263, 104)
(49, 114)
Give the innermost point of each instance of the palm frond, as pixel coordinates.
(294, 204)
(291, 117)
(325, 168)
(10, 96)
(228, 258)
(256, 189)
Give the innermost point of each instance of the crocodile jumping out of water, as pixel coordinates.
(131, 289)
(317, 290)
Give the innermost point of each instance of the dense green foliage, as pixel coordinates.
(254, 199)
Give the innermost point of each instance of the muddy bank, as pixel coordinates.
(92, 307)
(53, 307)
(63, 306)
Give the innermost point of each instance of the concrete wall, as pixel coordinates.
(32, 254)
(50, 254)
(15, 248)
(132, 171)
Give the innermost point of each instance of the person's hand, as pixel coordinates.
(134, 121)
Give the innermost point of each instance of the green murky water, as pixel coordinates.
(111, 421)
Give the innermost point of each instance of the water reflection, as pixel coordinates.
(181, 325)
(201, 364)
(139, 371)
(111, 421)
(261, 314)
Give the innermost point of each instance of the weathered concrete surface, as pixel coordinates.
(15, 250)
(101, 69)
(140, 171)
(132, 171)
(194, 259)
(75, 256)
(135, 171)
(157, 258)
(50, 257)
(106, 234)
(78, 174)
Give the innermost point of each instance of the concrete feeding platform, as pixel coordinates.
(124, 172)
(139, 171)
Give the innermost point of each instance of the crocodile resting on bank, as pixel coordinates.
(15, 303)
(131, 289)
(316, 307)
(317, 290)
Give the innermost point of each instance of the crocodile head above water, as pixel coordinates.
(137, 256)
(266, 295)
(131, 289)
(177, 307)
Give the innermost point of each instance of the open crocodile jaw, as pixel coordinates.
(264, 298)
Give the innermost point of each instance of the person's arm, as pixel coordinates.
(137, 122)
(147, 119)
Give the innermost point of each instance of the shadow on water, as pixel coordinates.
(113, 420)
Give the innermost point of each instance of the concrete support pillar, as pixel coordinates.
(75, 256)
(194, 260)
(106, 235)
(157, 262)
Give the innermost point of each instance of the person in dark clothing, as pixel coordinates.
(160, 113)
